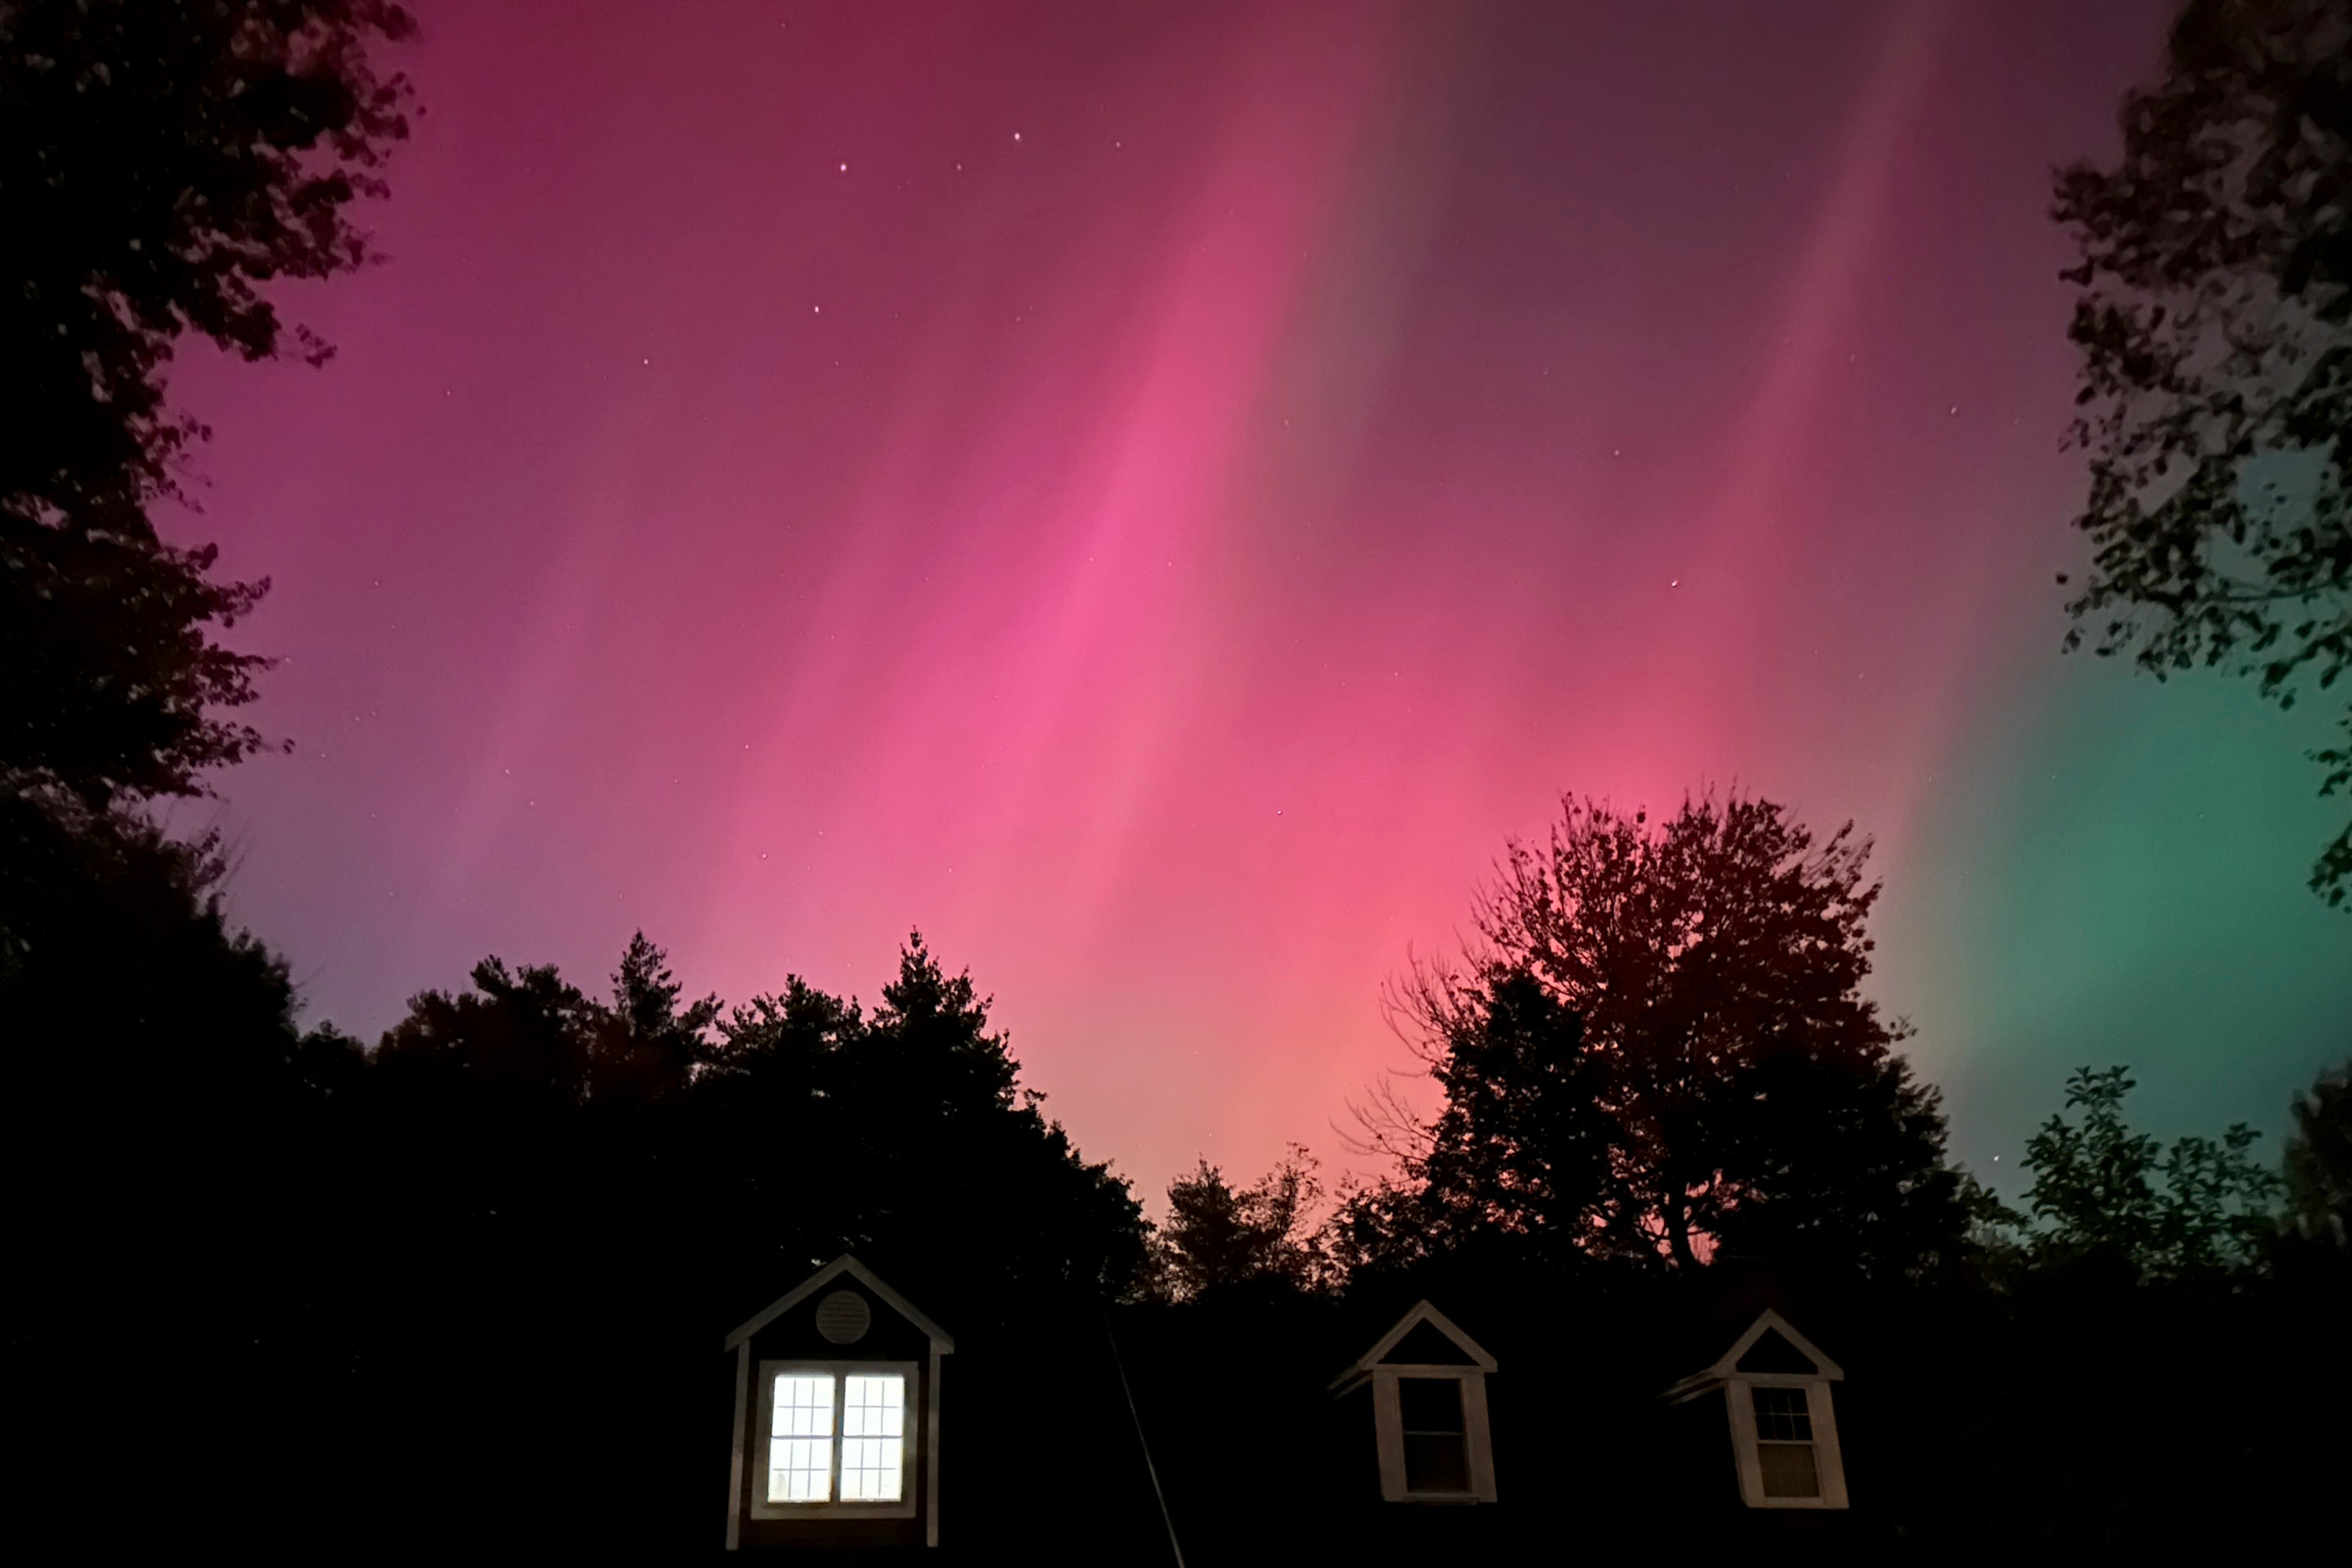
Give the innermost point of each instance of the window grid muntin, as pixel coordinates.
(872, 1445)
(1783, 1415)
(802, 1437)
(836, 1503)
(1787, 1466)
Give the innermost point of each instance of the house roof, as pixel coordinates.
(845, 1264)
(1422, 1312)
(1726, 1367)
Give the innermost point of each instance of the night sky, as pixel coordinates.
(1155, 495)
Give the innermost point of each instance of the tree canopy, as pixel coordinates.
(2214, 324)
(941, 1156)
(1658, 1047)
(159, 167)
(2101, 1188)
(1218, 1237)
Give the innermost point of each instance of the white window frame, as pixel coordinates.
(1388, 1423)
(1739, 1401)
(911, 1433)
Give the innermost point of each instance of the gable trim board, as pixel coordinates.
(1726, 1367)
(942, 1342)
(1422, 1312)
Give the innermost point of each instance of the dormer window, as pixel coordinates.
(836, 1417)
(1428, 1385)
(1775, 1394)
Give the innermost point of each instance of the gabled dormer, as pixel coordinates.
(836, 1416)
(1428, 1384)
(1783, 1430)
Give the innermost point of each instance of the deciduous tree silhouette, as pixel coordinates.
(2103, 1188)
(1659, 1047)
(159, 166)
(2215, 327)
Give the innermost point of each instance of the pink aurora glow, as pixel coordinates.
(1194, 482)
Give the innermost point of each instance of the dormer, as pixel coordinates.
(836, 1417)
(1783, 1431)
(1428, 1382)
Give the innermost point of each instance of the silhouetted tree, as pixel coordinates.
(2318, 1162)
(122, 981)
(2101, 1187)
(1219, 1236)
(646, 1046)
(1659, 1047)
(520, 1037)
(1524, 1141)
(1837, 1166)
(159, 166)
(933, 1150)
(2215, 327)
(151, 1129)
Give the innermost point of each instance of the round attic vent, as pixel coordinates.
(843, 1317)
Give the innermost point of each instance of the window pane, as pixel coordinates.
(799, 1449)
(804, 1404)
(800, 1470)
(872, 1469)
(1430, 1403)
(1781, 1415)
(1788, 1469)
(1436, 1462)
(873, 1424)
(874, 1405)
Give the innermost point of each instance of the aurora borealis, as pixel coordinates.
(1154, 496)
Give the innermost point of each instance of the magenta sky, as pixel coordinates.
(1155, 495)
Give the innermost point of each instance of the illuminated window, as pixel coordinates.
(836, 1436)
(873, 1437)
(1784, 1443)
(800, 1448)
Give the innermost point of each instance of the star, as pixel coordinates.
(1016, 136)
